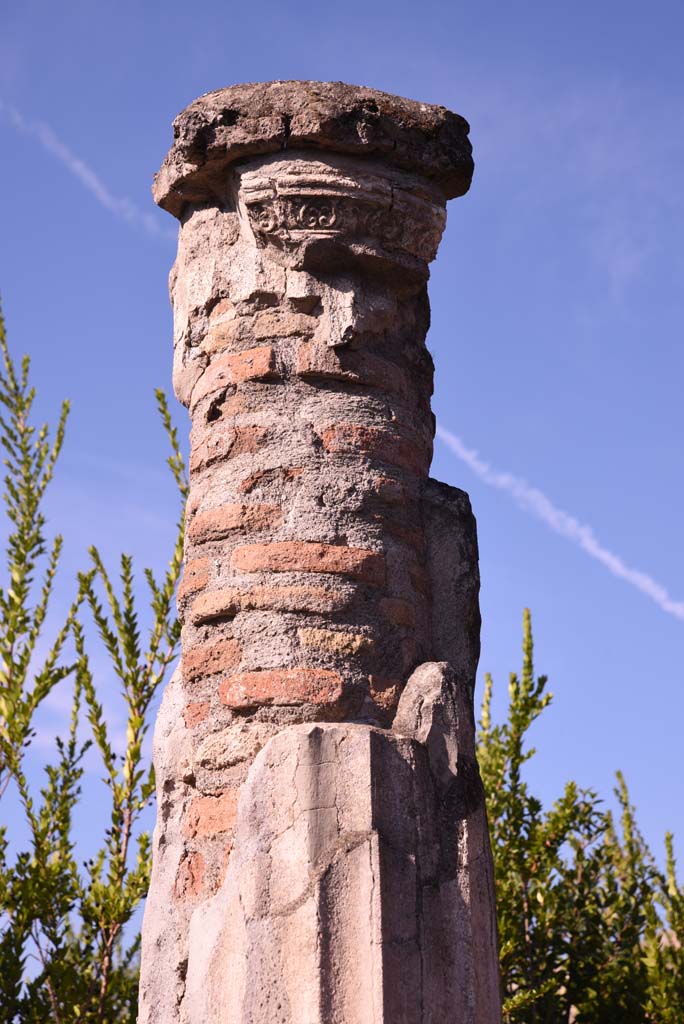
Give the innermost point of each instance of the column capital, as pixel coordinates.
(241, 122)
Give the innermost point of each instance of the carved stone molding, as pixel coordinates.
(292, 205)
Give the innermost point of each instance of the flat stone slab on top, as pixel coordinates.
(245, 121)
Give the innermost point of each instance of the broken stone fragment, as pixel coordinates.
(435, 710)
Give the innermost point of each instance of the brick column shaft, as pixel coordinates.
(309, 213)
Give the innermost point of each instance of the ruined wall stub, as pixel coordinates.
(321, 853)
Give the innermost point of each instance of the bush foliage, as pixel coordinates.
(65, 954)
(591, 929)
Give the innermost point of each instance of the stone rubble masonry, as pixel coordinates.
(322, 568)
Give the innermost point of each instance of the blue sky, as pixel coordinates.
(557, 310)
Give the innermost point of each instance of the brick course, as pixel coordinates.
(307, 556)
(219, 522)
(195, 577)
(256, 363)
(215, 604)
(376, 443)
(282, 686)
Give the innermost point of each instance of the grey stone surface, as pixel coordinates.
(452, 562)
(243, 121)
(166, 922)
(436, 709)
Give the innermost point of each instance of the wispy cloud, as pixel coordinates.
(121, 207)
(584, 141)
(538, 504)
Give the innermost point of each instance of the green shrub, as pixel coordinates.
(65, 954)
(590, 929)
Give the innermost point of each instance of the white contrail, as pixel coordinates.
(537, 503)
(120, 207)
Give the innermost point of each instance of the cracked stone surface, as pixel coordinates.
(359, 858)
(322, 568)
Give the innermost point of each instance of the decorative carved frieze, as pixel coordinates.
(376, 215)
(290, 220)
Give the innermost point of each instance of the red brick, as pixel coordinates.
(214, 604)
(218, 522)
(206, 659)
(234, 368)
(195, 712)
(221, 603)
(248, 440)
(222, 443)
(190, 876)
(308, 556)
(195, 577)
(375, 443)
(282, 686)
(209, 815)
(253, 364)
(398, 612)
(279, 475)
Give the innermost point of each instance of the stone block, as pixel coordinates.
(452, 565)
(338, 905)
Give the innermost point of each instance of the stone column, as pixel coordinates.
(321, 853)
